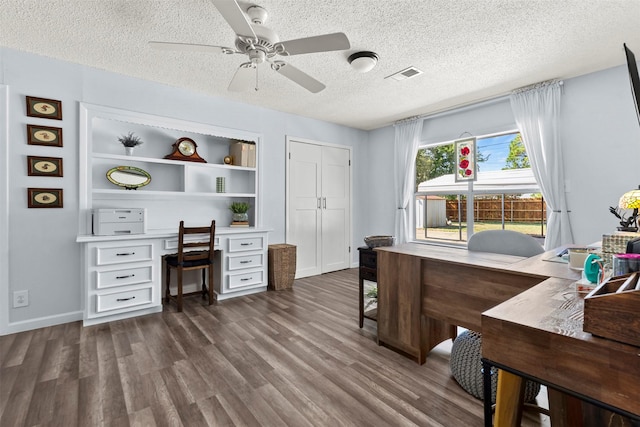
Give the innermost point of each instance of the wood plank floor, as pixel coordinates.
(278, 358)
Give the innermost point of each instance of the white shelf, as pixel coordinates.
(120, 193)
(178, 189)
(170, 162)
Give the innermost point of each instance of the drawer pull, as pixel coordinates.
(125, 277)
(246, 279)
(246, 244)
(125, 299)
(246, 262)
(126, 254)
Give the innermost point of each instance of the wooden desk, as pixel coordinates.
(425, 290)
(538, 335)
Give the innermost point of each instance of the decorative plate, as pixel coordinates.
(128, 177)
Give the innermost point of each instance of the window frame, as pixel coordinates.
(469, 193)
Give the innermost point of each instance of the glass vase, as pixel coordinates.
(240, 217)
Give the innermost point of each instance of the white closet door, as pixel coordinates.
(335, 209)
(304, 213)
(318, 207)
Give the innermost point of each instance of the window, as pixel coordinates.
(504, 196)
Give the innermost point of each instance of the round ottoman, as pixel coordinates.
(466, 367)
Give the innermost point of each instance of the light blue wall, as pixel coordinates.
(43, 255)
(599, 133)
(601, 142)
(600, 136)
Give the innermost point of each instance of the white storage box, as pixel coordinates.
(113, 222)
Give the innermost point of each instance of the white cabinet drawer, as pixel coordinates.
(124, 299)
(122, 254)
(126, 276)
(172, 244)
(244, 280)
(245, 261)
(246, 244)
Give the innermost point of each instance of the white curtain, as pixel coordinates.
(407, 138)
(537, 110)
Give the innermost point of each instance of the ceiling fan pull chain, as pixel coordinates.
(256, 78)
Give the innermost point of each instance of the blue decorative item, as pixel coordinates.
(592, 268)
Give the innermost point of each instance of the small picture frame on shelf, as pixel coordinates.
(44, 108)
(44, 197)
(44, 166)
(44, 135)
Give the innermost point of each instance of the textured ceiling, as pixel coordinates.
(469, 50)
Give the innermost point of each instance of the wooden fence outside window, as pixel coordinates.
(515, 210)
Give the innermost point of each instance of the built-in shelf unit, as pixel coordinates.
(130, 282)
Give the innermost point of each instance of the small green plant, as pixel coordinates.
(372, 294)
(130, 140)
(239, 207)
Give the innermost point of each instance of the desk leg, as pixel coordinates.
(509, 399)
(564, 410)
(361, 297)
(486, 392)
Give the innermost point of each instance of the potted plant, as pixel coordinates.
(239, 210)
(130, 141)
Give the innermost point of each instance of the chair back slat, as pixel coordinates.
(208, 245)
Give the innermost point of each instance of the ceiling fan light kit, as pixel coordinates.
(364, 61)
(262, 44)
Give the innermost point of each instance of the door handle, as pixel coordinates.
(319, 203)
(324, 202)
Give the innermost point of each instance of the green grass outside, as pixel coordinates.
(450, 232)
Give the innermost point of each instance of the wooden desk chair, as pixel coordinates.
(187, 259)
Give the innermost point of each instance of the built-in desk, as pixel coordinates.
(122, 275)
(424, 290)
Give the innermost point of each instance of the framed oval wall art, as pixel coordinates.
(44, 166)
(44, 108)
(128, 177)
(44, 197)
(44, 135)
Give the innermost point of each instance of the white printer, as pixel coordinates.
(117, 221)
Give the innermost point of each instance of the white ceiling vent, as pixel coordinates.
(407, 73)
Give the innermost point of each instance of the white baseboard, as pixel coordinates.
(42, 322)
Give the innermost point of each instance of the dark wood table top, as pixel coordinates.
(539, 333)
(534, 266)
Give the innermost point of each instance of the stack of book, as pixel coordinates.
(243, 153)
(239, 224)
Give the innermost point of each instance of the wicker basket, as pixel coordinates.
(282, 266)
(615, 244)
(376, 241)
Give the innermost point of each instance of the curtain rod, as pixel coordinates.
(469, 105)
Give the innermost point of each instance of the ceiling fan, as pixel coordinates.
(261, 44)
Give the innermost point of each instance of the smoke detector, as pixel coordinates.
(363, 61)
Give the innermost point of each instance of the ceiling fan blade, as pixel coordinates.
(325, 43)
(297, 76)
(189, 47)
(244, 78)
(237, 20)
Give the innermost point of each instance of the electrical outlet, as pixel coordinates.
(20, 299)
